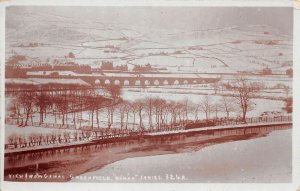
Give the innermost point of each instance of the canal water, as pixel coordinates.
(234, 155)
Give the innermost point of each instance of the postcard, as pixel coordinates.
(186, 94)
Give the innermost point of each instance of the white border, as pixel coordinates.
(176, 3)
(16, 186)
(2, 94)
(296, 96)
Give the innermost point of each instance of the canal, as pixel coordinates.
(261, 154)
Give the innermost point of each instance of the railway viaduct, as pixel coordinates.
(132, 79)
(144, 81)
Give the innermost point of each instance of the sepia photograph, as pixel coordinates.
(140, 94)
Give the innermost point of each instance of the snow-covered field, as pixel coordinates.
(261, 105)
(227, 49)
(194, 90)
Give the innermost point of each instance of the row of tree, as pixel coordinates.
(70, 105)
(18, 140)
(58, 102)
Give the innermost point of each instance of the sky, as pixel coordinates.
(182, 18)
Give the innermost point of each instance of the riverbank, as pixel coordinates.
(67, 163)
(218, 128)
(126, 138)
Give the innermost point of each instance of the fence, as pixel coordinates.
(254, 120)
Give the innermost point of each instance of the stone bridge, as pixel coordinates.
(145, 81)
(132, 79)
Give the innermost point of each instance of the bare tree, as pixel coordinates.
(149, 110)
(95, 103)
(134, 109)
(227, 105)
(115, 93)
(216, 108)
(206, 106)
(137, 108)
(13, 139)
(62, 105)
(180, 111)
(26, 99)
(67, 136)
(110, 114)
(139, 104)
(159, 106)
(42, 101)
(173, 110)
(195, 108)
(163, 109)
(165, 113)
(186, 107)
(127, 108)
(244, 91)
(15, 110)
(122, 108)
(75, 135)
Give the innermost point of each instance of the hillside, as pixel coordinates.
(45, 38)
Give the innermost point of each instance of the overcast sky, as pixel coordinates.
(187, 18)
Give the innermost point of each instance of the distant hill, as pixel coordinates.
(231, 49)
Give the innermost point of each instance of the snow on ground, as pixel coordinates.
(267, 80)
(175, 93)
(43, 52)
(194, 90)
(153, 51)
(151, 45)
(26, 131)
(236, 46)
(99, 53)
(193, 93)
(131, 33)
(163, 61)
(261, 105)
(36, 81)
(103, 43)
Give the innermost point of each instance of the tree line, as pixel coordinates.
(67, 105)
